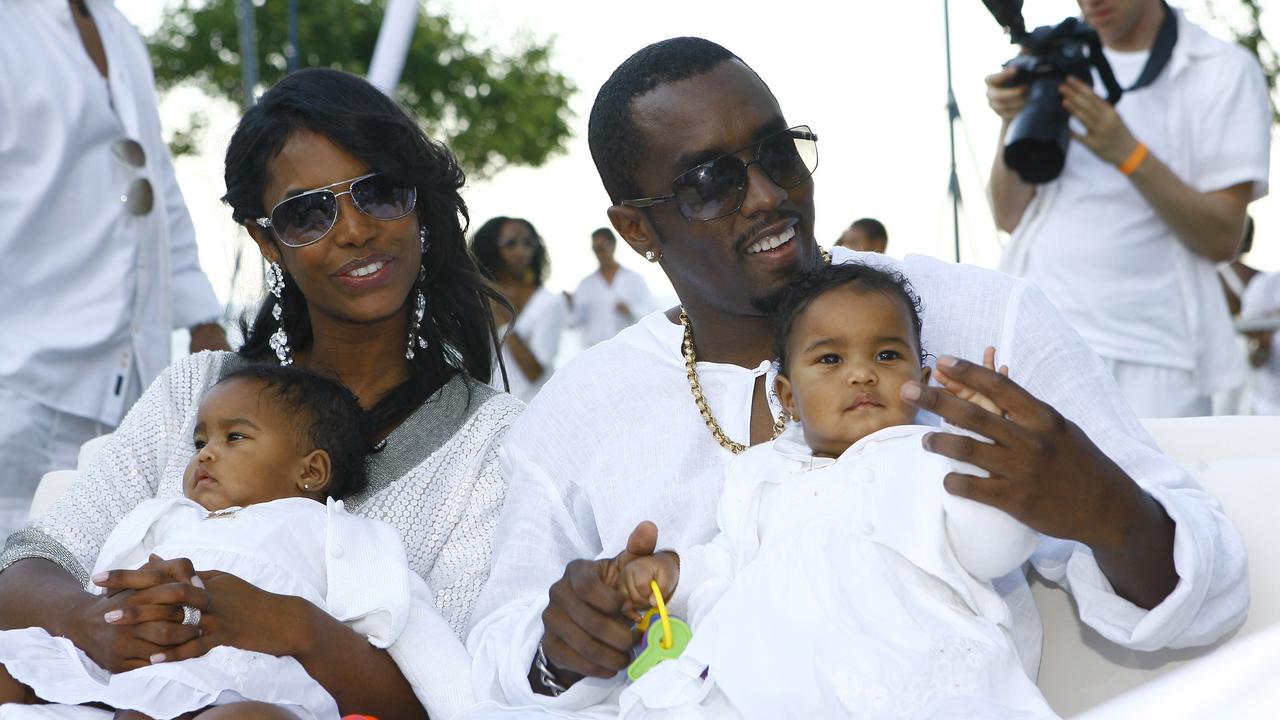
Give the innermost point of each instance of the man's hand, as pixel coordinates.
(1106, 134)
(586, 630)
(208, 336)
(1259, 347)
(1047, 473)
(1006, 101)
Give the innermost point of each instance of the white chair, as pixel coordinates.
(53, 484)
(1237, 459)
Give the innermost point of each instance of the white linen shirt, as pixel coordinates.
(615, 438)
(1216, 133)
(89, 294)
(595, 304)
(539, 324)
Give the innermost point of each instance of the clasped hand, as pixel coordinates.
(138, 620)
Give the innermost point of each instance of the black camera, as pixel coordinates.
(1036, 143)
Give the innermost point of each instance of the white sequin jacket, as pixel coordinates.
(437, 482)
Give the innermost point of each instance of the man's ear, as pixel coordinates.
(634, 227)
(262, 238)
(315, 472)
(782, 388)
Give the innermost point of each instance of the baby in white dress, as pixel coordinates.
(844, 581)
(276, 450)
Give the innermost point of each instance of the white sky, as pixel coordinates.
(867, 75)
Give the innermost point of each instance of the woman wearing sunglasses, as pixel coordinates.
(358, 216)
(511, 254)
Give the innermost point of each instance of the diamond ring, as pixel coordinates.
(190, 615)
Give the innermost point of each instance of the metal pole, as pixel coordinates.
(394, 37)
(248, 52)
(292, 59)
(953, 114)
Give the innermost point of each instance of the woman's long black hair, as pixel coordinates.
(356, 116)
(484, 246)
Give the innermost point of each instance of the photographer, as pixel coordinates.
(1125, 239)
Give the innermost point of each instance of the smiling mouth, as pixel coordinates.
(771, 242)
(369, 269)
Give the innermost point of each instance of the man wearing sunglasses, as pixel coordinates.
(99, 252)
(712, 181)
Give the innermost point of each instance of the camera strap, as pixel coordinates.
(1161, 52)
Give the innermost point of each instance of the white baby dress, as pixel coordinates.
(854, 587)
(351, 566)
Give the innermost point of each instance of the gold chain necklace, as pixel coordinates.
(691, 371)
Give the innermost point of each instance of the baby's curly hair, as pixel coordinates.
(326, 415)
(809, 286)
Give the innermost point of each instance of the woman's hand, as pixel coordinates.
(139, 618)
(242, 615)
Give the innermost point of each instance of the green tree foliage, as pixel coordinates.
(493, 107)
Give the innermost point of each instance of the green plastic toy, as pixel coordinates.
(663, 640)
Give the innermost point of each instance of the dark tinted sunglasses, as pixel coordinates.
(716, 188)
(305, 218)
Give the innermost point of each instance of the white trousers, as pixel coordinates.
(1155, 392)
(34, 439)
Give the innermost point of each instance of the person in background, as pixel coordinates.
(100, 249)
(1235, 275)
(511, 254)
(610, 298)
(1153, 194)
(865, 235)
(1261, 301)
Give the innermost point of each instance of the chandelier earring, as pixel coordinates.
(419, 303)
(280, 339)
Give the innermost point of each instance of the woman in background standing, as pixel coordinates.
(511, 254)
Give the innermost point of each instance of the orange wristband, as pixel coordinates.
(1134, 160)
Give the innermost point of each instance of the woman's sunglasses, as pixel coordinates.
(716, 188)
(305, 218)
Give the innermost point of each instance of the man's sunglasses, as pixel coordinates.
(716, 188)
(305, 218)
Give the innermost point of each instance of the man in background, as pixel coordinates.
(865, 235)
(611, 298)
(1124, 242)
(98, 249)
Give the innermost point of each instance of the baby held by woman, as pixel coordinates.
(844, 581)
(276, 449)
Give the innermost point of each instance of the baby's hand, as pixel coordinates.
(633, 579)
(965, 392)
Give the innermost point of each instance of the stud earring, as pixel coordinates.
(651, 256)
(279, 341)
(306, 486)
